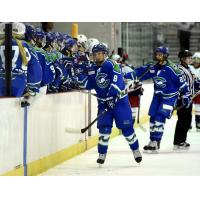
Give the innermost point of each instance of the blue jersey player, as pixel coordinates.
(26, 70)
(107, 80)
(169, 83)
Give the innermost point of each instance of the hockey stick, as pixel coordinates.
(73, 130)
(84, 92)
(83, 130)
(138, 117)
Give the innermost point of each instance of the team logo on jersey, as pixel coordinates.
(101, 80)
(160, 82)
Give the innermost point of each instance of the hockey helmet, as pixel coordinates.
(18, 30)
(99, 47)
(92, 40)
(184, 54)
(163, 50)
(82, 40)
(115, 57)
(196, 57)
(30, 32)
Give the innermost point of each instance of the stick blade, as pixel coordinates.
(73, 130)
(83, 130)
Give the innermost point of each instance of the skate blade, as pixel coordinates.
(151, 151)
(181, 149)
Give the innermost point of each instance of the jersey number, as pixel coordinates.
(115, 78)
(15, 49)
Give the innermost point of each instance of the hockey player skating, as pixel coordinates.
(168, 82)
(107, 80)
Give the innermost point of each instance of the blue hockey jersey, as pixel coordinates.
(168, 80)
(48, 71)
(26, 70)
(107, 79)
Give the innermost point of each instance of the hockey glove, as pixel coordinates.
(186, 99)
(28, 93)
(25, 102)
(68, 64)
(137, 89)
(111, 103)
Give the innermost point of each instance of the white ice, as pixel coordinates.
(120, 160)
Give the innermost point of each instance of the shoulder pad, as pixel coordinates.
(116, 66)
(173, 66)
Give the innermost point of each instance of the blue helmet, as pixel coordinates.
(163, 50)
(66, 37)
(100, 47)
(39, 33)
(70, 46)
(39, 37)
(59, 36)
(59, 40)
(50, 39)
(70, 42)
(30, 33)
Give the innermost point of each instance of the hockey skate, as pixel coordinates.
(152, 147)
(137, 155)
(182, 146)
(101, 159)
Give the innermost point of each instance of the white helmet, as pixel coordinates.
(106, 45)
(91, 46)
(82, 40)
(18, 29)
(196, 57)
(91, 40)
(115, 57)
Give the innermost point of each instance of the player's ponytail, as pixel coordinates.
(22, 51)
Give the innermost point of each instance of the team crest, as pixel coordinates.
(160, 82)
(101, 80)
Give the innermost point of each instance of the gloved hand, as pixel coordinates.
(137, 92)
(25, 102)
(28, 94)
(186, 99)
(110, 103)
(78, 71)
(68, 64)
(136, 89)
